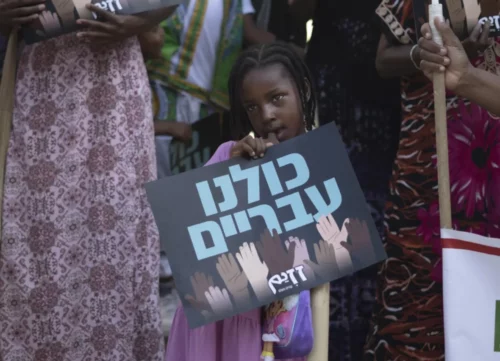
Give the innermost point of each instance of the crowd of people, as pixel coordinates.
(102, 111)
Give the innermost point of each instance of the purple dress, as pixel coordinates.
(234, 339)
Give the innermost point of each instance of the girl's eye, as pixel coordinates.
(251, 108)
(277, 98)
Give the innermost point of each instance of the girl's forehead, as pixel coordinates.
(267, 76)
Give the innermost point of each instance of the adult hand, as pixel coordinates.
(277, 258)
(111, 28)
(329, 231)
(255, 270)
(326, 263)
(361, 246)
(201, 283)
(250, 147)
(182, 131)
(20, 12)
(450, 58)
(219, 300)
(301, 255)
(236, 281)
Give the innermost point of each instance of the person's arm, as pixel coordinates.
(253, 35)
(481, 87)
(178, 130)
(461, 77)
(152, 42)
(394, 60)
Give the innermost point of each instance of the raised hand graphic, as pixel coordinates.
(255, 270)
(236, 281)
(274, 254)
(301, 255)
(219, 300)
(50, 23)
(326, 266)
(330, 232)
(361, 246)
(201, 283)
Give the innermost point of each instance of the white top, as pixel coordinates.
(203, 66)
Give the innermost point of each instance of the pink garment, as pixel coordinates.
(79, 257)
(238, 338)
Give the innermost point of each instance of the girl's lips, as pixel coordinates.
(280, 134)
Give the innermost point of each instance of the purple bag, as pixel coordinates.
(288, 324)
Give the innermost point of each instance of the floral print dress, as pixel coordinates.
(408, 319)
(79, 255)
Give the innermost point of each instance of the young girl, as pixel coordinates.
(270, 94)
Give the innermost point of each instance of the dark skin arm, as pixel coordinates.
(178, 130)
(253, 35)
(480, 86)
(119, 27)
(394, 60)
(152, 42)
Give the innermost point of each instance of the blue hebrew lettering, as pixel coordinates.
(206, 197)
(301, 169)
(334, 195)
(226, 186)
(200, 247)
(269, 216)
(228, 226)
(242, 221)
(252, 176)
(272, 178)
(301, 217)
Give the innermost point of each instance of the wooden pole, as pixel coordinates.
(7, 90)
(436, 11)
(320, 305)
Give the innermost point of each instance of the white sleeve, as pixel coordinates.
(247, 7)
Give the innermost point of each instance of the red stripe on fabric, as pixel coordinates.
(469, 246)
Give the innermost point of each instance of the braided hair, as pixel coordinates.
(260, 56)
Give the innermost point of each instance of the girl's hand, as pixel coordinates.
(20, 12)
(111, 28)
(451, 59)
(250, 147)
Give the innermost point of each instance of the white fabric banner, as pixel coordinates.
(471, 275)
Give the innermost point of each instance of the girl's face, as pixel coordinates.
(272, 102)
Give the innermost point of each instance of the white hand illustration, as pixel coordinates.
(50, 23)
(330, 232)
(301, 255)
(219, 300)
(256, 270)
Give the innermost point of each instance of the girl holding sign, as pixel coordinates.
(408, 319)
(270, 94)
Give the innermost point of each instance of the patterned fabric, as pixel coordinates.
(408, 319)
(367, 117)
(80, 251)
(181, 43)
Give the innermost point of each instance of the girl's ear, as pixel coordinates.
(308, 89)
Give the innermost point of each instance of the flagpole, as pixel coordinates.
(320, 305)
(436, 11)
